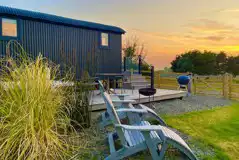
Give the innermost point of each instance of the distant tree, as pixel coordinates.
(132, 49)
(221, 63)
(184, 62)
(233, 65)
(205, 63)
(167, 69)
(174, 63)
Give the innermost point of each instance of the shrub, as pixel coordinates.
(35, 119)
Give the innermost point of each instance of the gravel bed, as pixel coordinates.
(189, 104)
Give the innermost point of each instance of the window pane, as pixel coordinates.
(104, 39)
(9, 27)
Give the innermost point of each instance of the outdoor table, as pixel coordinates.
(108, 76)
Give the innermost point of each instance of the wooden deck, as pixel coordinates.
(97, 102)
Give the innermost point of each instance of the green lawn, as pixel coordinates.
(217, 129)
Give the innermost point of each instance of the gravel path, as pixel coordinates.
(189, 104)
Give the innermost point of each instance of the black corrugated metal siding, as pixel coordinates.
(77, 44)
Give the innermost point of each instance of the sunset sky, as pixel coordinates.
(166, 27)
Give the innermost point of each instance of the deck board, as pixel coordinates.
(97, 102)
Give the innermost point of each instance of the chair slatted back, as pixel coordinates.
(114, 117)
(101, 87)
(111, 109)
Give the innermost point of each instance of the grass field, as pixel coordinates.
(217, 129)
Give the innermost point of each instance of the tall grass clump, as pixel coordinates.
(34, 117)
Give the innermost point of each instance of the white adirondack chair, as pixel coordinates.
(141, 136)
(121, 103)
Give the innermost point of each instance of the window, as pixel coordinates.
(9, 27)
(104, 39)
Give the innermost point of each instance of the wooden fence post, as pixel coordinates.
(158, 79)
(225, 86)
(194, 81)
(230, 79)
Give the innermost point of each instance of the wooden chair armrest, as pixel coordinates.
(120, 95)
(145, 128)
(123, 101)
(131, 110)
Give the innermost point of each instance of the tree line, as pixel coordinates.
(206, 63)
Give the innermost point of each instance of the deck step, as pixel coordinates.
(139, 79)
(138, 76)
(140, 86)
(135, 75)
(130, 86)
(139, 82)
(136, 81)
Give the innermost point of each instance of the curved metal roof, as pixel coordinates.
(58, 19)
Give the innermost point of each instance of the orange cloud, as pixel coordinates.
(229, 10)
(210, 26)
(202, 34)
(215, 38)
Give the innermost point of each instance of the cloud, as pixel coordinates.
(182, 38)
(229, 10)
(211, 26)
(214, 38)
(202, 34)
(209, 35)
(162, 35)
